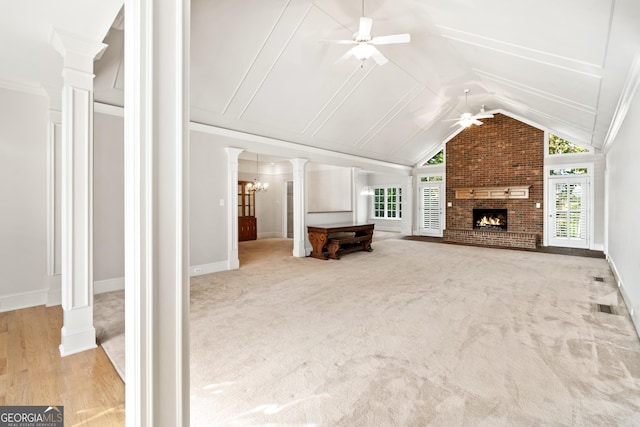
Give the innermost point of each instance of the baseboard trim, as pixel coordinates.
(214, 267)
(389, 229)
(270, 235)
(76, 341)
(25, 300)
(633, 313)
(108, 285)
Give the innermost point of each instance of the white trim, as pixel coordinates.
(372, 202)
(156, 212)
(78, 53)
(380, 227)
(443, 195)
(514, 116)
(25, 300)
(628, 92)
(76, 341)
(285, 208)
(214, 267)
(573, 156)
(300, 248)
(243, 136)
(270, 235)
(213, 130)
(112, 110)
(606, 207)
(54, 294)
(22, 87)
(108, 285)
(633, 312)
(422, 163)
(597, 247)
(590, 177)
(233, 261)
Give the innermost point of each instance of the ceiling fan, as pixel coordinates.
(364, 44)
(467, 119)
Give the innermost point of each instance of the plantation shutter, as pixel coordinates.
(430, 208)
(570, 212)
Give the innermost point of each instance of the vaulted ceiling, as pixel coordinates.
(265, 67)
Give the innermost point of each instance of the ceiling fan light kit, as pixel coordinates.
(365, 45)
(467, 119)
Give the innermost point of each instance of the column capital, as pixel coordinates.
(78, 52)
(233, 153)
(298, 162)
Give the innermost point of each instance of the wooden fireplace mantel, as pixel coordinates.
(515, 192)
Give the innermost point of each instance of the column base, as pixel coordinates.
(77, 341)
(299, 250)
(78, 333)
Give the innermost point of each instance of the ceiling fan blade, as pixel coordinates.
(456, 124)
(340, 41)
(483, 116)
(476, 122)
(395, 38)
(346, 56)
(378, 57)
(365, 27)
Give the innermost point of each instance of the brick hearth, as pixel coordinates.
(492, 238)
(501, 152)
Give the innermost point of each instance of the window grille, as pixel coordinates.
(387, 202)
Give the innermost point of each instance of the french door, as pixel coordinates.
(431, 209)
(569, 212)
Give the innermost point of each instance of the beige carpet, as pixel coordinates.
(411, 334)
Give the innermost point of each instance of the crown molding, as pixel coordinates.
(624, 103)
(23, 87)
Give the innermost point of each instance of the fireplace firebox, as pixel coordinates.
(490, 219)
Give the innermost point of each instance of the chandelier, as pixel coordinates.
(257, 185)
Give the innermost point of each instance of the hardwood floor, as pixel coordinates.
(33, 373)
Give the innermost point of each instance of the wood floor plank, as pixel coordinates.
(34, 373)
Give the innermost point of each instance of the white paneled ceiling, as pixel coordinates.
(265, 67)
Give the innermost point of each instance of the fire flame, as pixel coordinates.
(489, 221)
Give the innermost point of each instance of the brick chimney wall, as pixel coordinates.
(501, 152)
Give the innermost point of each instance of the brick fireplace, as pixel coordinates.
(496, 166)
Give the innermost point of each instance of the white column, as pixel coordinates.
(232, 210)
(156, 216)
(407, 206)
(299, 232)
(78, 333)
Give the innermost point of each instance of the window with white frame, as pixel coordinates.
(557, 146)
(387, 203)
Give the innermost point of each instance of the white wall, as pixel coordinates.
(387, 180)
(207, 188)
(329, 191)
(108, 198)
(623, 206)
(23, 195)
